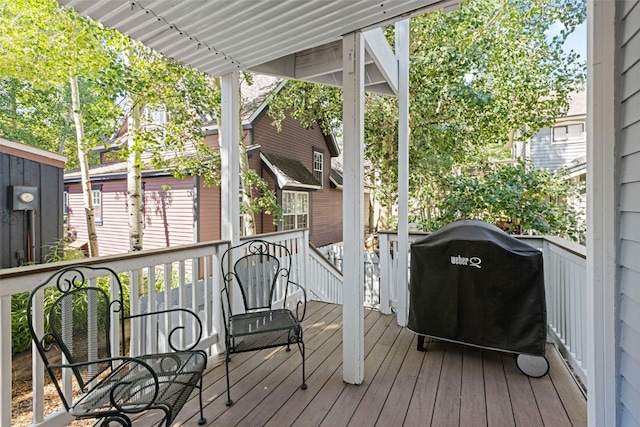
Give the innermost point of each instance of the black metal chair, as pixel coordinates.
(261, 272)
(79, 314)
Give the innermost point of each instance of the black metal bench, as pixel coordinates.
(82, 334)
(261, 273)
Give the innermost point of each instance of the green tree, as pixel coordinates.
(481, 78)
(166, 103)
(51, 48)
(83, 72)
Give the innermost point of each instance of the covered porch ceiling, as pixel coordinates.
(294, 39)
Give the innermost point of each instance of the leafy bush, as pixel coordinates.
(516, 197)
(21, 339)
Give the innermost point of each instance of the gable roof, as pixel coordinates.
(577, 104)
(290, 173)
(336, 174)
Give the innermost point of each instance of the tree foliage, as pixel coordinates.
(481, 78)
(66, 74)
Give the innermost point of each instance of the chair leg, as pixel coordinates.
(202, 421)
(226, 364)
(304, 377)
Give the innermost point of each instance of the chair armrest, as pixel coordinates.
(175, 327)
(120, 382)
(300, 303)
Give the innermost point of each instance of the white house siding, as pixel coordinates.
(629, 176)
(547, 155)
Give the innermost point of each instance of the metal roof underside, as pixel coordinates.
(291, 38)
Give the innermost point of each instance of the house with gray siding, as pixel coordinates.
(296, 162)
(564, 144)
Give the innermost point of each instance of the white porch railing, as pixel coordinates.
(565, 279)
(172, 270)
(565, 288)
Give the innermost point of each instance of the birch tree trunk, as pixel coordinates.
(134, 180)
(248, 219)
(84, 168)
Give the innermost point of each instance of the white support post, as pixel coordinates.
(353, 208)
(602, 214)
(385, 274)
(229, 135)
(230, 158)
(5, 371)
(402, 54)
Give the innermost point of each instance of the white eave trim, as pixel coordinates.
(39, 152)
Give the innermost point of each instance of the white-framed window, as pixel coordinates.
(96, 199)
(318, 166)
(295, 210)
(157, 122)
(573, 132)
(65, 206)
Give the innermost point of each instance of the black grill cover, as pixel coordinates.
(473, 283)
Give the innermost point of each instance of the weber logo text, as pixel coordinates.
(473, 261)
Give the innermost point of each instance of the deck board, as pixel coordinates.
(447, 385)
(473, 406)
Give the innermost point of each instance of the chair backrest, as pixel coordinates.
(78, 311)
(259, 270)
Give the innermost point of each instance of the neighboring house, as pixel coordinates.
(564, 143)
(564, 146)
(31, 215)
(296, 162)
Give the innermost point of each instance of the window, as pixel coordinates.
(568, 133)
(156, 122)
(96, 199)
(65, 201)
(295, 210)
(318, 167)
(65, 207)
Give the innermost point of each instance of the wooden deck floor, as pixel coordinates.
(448, 385)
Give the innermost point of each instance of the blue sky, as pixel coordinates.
(577, 41)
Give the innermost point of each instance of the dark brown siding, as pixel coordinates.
(209, 213)
(14, 224)
(296, 142)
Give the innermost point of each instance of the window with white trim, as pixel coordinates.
(295, 210)
(96, 200)
(318, 167)
(573, 132)
(156, 122)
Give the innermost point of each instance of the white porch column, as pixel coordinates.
(402, 55)
(229, 136)
(353, 208)
(602, 214)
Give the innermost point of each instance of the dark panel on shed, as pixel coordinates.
(14, 224)
(5, 214)
(49, 211)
